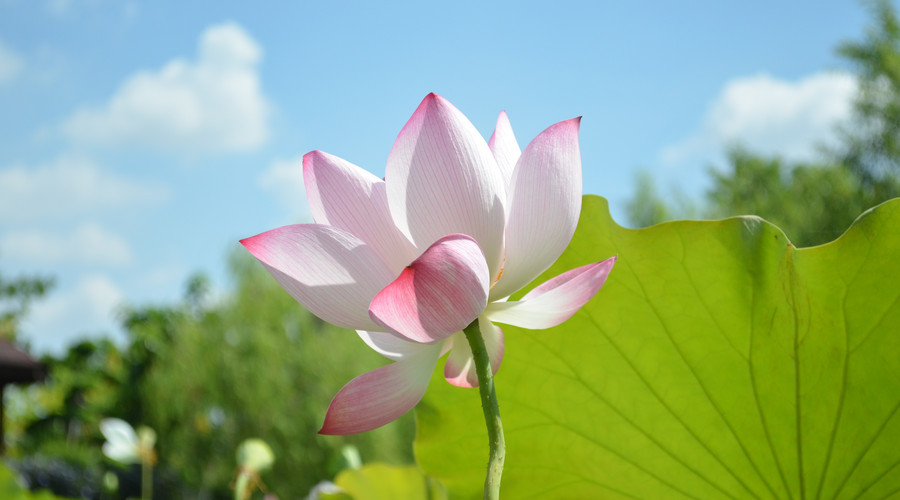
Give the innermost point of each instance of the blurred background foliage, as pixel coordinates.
(210, 371)
(206, 374)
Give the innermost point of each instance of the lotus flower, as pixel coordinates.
(455, 228)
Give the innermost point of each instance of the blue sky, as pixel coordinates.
(140, 140)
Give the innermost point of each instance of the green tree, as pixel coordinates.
(812, 203)
(16, 295)
(256, 364)
(206, 375)
(815, 203)
(647, 207)
(53, 427)
(871, 146)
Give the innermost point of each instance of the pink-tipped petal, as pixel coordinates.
(391, 346)
(459, 369)
(328, 270)
(345, 196)
(505, 148)
(380, 396)
(544, 205)
(554, 301)
(442, 179)
(439, 294)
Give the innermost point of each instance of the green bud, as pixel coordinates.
(146, 437)
(254, 454)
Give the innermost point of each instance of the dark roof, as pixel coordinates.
(17, 366)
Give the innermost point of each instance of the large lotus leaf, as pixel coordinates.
(718, 361)
(377, 481)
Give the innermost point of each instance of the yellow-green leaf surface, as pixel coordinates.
(378, 481)
(718, 361)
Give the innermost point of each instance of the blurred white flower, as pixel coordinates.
(126, 446)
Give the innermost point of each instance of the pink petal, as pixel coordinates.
(459, 369)
(439, 294)
(544, 204)
(343, 195)
(328, 270)
(505, 148)
(380, 396)
(442, 179)
(390, 345)
(554, 301)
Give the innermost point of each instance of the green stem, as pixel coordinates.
(242, 486)
(491, 411)
(146, 480)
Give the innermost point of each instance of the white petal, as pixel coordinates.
(459, 369)
(544, 205)
(554, 301)
(505, 148)
(331, 272)
(345, 196)
(442, 179)
(390, 345)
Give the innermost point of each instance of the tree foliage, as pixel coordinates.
(812, 204)
(207, 374)
(872, 141)
(15, 297)
(647, 207)
(258, 365)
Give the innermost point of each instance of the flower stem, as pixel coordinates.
(242, 486)
(146, 480)
(491, 411)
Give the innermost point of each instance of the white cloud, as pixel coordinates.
(88, 243)
(64, 316)
(65, 188)
(284, 180)
(11, 64)
(213, 104)
(772, 117)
